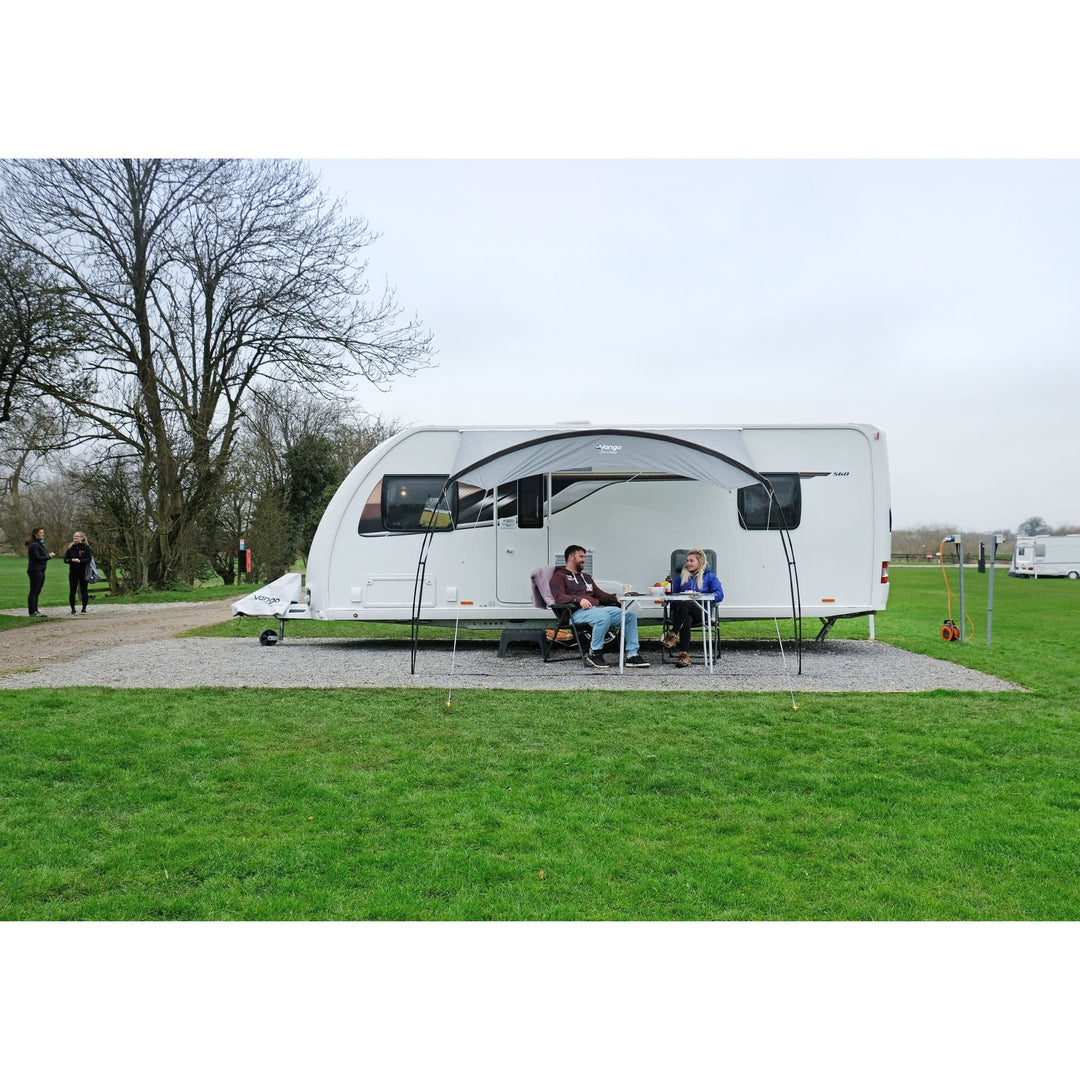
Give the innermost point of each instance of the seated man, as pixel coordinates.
(599, 609)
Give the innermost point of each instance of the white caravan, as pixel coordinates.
(412, 531)
(1046, 556)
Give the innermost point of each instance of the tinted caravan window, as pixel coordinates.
(473, 507)
(758, 511)
(530, 502)
(412, 503)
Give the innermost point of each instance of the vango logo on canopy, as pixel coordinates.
(608, 448)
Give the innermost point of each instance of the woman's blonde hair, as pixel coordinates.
(700, 579)
(77, 532)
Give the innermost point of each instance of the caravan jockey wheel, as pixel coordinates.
(268, 637)
(950, 631)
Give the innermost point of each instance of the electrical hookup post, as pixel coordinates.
(994, 541)
(958, 540)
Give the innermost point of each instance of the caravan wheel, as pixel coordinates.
(1073, 575)
(268, 637)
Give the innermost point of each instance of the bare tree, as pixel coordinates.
(198, 282)
(295, 450)
(116, 522)
(39, 333)
(1032, 526)
(28, 477)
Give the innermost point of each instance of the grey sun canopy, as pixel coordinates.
(488, 458)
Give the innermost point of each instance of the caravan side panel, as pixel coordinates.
(478, 572)
(372, 577)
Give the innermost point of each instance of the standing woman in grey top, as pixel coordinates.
(37, 558)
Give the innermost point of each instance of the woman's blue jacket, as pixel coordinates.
(710, 584)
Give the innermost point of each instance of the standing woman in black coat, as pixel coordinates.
(78, 556)
(37, 558)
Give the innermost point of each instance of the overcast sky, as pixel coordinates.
(938, 300)
(729, 214)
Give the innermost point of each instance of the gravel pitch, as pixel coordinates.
(329, 662)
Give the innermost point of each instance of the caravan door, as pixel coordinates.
(521, 537)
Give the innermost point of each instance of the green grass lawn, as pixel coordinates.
(631, 805)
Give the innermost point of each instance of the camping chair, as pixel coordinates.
(567, 633)
(678, 558)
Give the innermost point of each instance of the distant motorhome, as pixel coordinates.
(829, 497)
(1046, 556)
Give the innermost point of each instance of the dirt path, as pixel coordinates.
(63, 636)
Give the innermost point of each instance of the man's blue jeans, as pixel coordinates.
(602, 619)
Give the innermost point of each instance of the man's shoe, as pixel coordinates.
(72, 611)
(683, 660)
(636, 661)
(596, 659)
(669, 640)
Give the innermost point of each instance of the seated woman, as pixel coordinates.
(695, 577)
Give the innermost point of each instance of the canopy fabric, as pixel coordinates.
(490, 457)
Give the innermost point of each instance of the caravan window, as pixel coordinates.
(524, 500)
(530, 502)
(412, 503)
(401, 504)
(758, 511)
(478, 508)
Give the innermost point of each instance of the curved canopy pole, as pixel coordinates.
(793, 585)
(421, 569)
(418, 590)
(577, 433)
